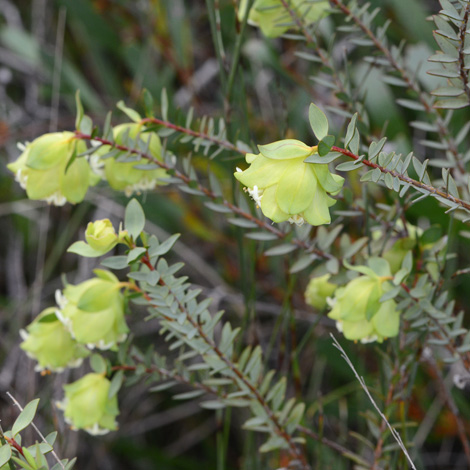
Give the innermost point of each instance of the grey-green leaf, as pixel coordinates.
(134, 219)
(25, 418)
(318, 121)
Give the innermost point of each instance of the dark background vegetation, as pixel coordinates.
(112, 50)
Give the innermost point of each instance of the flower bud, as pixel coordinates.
(360, 315)
(101, 236)
(47, 341)
(271, 15)
(286, 188)
(42, 169)
(93, 311)
(87, 405)
(123, 176)
(318, 289)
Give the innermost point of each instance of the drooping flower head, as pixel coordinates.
(47, 341)
(288, 189)
(274, 19)
(357, 309)
(43, 169)
(93, 311)
(87, 405)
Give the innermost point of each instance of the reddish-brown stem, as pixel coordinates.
(412, 84)
(311, 40)
(279, 429)
(211, 195)
(383, 424)
(406, 179)
(14, 444)
(170, 375)
(450, 345)
(200, 135)
(219, 393)
(462, 33)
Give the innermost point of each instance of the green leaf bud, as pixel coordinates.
(47, 172)
(93, 311)
(318, 290)
(101, 236)
(287, 188)
(87, 405)
(47, 341)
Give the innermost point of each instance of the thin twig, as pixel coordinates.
(393, 431)
(200, 135)
(236, 52)
(238, 374)
(462, 35)
(379, 447)
(332, 445)
(169, 374)
(210, 194)
(406, 179)
(412, 84)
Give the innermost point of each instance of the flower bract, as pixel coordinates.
(45, 171)
(87, 404)
(358, 311)
(47, 341)
(93, 311)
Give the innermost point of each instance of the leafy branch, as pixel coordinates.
(171, 300)
(208, 193)
(419, 185)
(410, 83)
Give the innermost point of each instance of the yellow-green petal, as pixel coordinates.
(330, 183)
(42, 184)
(270, 207)
(317, 212)
(75, 182)
(263, 172)
(387, 320)
(296, 188)
(286, 149)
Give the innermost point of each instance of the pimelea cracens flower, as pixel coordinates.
(358, 311)
(42, 169)
(87, 405)
(93, 311)
(318, 290)
(287, 188)
(123, 175)
(47, 341)
(273, 18)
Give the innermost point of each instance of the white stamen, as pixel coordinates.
(297, 220)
